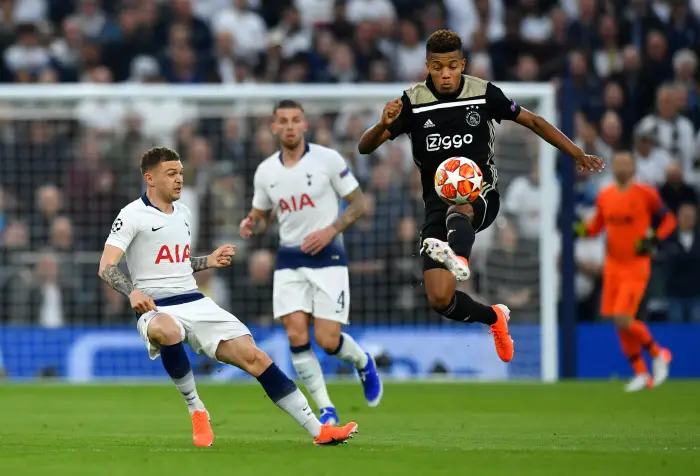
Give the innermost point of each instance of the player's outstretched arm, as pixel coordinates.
(379, 133)
(220, 258)
(111, 274)
(543, 128)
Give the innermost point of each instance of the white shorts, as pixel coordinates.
(322, 292)
(203, 324)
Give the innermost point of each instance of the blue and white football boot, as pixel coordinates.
(371, 384)
(328, 416)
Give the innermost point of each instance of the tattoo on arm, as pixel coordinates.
(355, 209)
(199, 263)
(117, 280)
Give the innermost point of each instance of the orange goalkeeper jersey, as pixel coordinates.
(627, 215)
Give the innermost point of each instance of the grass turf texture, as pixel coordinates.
(420, 429)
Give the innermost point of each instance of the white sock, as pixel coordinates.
(188, 390)
(298, 408)
(311, 375)
(351, 352)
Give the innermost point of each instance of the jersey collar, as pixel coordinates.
(306, 151)
(148, 203)
(444, 97)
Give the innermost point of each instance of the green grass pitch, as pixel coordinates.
(567, 429)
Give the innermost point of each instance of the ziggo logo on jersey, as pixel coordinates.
(435, 142)
(164, 254)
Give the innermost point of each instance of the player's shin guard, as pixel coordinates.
(349, 351)
(289, 398)
(309, 370)
(643, 335)
(177, 364)
(633, 351)
(460, 234)
(463, 308)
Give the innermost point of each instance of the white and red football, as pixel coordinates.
(458, 180)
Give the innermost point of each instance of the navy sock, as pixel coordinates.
(175, 360)
(337, 349)
(298, 349)
(463, 308)
(460, 234)
(276, 384)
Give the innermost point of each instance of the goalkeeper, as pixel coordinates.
(634, 219)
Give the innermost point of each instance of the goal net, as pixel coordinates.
(69, 162)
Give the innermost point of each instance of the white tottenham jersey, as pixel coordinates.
(304, 197)
(157, 247)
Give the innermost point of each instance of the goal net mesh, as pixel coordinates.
(68, 166)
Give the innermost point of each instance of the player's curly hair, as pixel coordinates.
(155, 156)
(443, 41)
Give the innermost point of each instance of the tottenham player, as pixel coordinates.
(451, 114)
(154, 232)
(302, 184)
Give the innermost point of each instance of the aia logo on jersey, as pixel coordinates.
(295, 204)
(173, 255)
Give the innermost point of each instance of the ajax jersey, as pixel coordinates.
(157, 247)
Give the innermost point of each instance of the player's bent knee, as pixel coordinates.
(297, 327)
(254, 361)
(623, 322)
(328, 339)
(244, 354)
(164, 330)
(464, 209)
(439, 300)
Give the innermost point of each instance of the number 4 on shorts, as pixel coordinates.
(341, 302)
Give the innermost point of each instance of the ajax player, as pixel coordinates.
(451, 114)
(154, 232)
(634, 218)
(302, 185)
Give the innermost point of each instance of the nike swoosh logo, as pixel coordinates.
(156, 229)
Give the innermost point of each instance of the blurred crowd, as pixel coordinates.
(626, 73)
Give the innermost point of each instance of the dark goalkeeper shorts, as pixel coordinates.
(485, 212)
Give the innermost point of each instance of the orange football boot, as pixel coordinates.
(335, 435)
(501, 337)
(202, 434)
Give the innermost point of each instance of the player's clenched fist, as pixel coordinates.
(246, 227)
(141, 303)
(221, 257)
(392, 109)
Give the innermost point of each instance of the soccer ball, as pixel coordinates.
(458, 180)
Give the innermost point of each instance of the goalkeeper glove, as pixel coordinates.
(580, 229)
(647, 246)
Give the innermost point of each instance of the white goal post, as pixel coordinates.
(260, 97)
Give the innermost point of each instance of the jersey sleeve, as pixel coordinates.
(662, 219)
(402, 124)
(261, 200)
(595, 226)
(342, 179)
(124, 230)
(500, 105)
